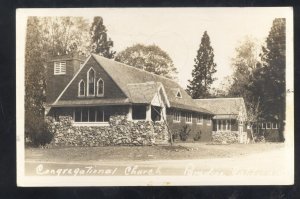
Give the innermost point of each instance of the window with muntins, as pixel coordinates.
(60, 68)
(90, 115)
(176, 116)
(208, 118)
(274, 125)
(91, 82)
(200, 119)
(188, 118)
(100, 87)
(81, 88)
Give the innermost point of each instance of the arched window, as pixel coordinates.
(91, 82)
(100, 87)
(81, 88)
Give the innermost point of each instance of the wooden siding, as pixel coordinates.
(111, 90)
(206, 129)
(57, 83)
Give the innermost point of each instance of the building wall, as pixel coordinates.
(111, 90)
(120, 131)
(205, 128)
(56, 83)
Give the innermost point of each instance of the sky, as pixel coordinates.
(178, 31)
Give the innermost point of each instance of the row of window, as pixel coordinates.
(223, 125)
(189, 117)
(90, 115)
(267, 125)
(91, 88)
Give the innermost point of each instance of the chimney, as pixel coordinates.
(60, 71)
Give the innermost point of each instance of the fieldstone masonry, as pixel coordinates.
(225, 137)
(119, 132)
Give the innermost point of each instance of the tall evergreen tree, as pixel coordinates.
(273, 73)
(34, 79)
(100, 44)
(203, 71)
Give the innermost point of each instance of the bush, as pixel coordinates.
(184, 133)
(174, 136)
(197, 137)
(39, 134)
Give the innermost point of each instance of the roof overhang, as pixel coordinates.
(219, 117)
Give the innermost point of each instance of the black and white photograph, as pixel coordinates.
(155, 96)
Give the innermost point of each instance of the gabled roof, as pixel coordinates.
(125, 75)
(223, 106)
(143, 93)
(138, 85)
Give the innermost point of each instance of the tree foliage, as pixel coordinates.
(261, 80)
(149, 58)
(64, 35)
(273, 73)
(204, 68)
(45, 38)
(34, 79)
(100, 44)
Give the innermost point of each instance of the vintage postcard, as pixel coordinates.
(155, 96)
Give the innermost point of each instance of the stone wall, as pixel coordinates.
(119, 132)
(225, 137)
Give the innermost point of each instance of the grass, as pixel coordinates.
(175, 152)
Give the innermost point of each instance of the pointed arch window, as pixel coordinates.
(100, 88)
(81, 88)
(91, 82)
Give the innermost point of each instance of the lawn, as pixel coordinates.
(176, 152)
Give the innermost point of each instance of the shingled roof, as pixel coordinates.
(131, 79)
(222, 106)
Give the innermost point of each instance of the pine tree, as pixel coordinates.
(203, 71)
(99, 42)
(273, 74)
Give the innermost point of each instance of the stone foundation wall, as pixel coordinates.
(119, 132)
(225, 137)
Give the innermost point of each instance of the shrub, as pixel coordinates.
(197, 136)
(39, 134)
(184, 133)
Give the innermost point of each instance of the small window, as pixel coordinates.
(263, 125)
(176, 116)
(274, 125)
(139, 112)
(156, 113)
(77, 115)
(100, 87)
(227, 125)
(188, 117)
(91, 82)
(81, 88)
(178, 94)
(208, 119)
(199, 119)
(268, 125)
(60, 68)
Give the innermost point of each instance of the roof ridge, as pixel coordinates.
(126, 65)
(153, 82)
(221, 98)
